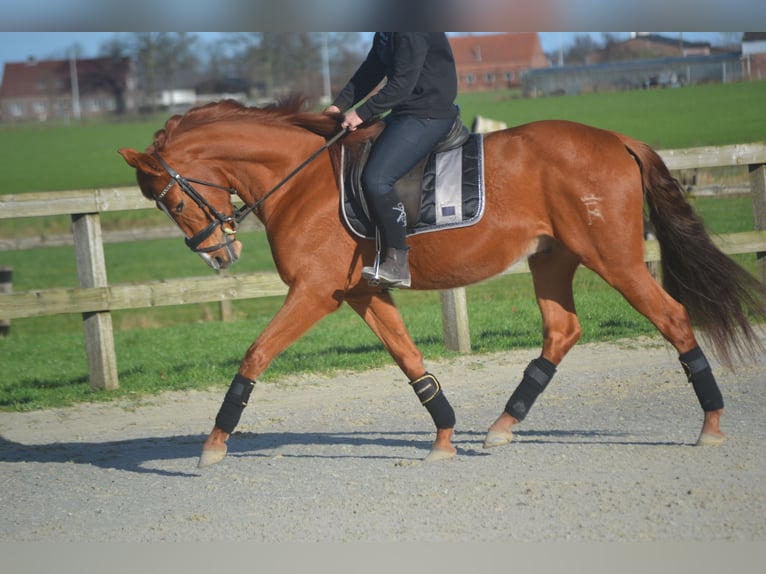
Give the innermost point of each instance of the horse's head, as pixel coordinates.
(204, 213)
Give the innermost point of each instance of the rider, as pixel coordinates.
(420, 89)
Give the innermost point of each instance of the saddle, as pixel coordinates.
(444, 190)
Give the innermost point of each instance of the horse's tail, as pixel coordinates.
(720, 297)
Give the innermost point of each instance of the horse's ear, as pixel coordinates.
(141, 161)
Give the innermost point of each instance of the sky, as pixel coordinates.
(20, 46)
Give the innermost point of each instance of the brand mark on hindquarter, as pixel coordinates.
(593, 207)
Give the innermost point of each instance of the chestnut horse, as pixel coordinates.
(560, 193)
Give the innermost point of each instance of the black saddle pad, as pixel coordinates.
(453, 192)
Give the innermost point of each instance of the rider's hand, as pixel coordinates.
(351, 121)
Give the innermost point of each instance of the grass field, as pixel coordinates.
(714, 114)
(186, 347)
(40, 158)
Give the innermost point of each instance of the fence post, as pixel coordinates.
(97, 325)
(227, 314)
(457, 336)
(758, 194)
(6, 286)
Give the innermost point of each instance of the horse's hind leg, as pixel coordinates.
(670, 317)
(381, 315)
(552, 273)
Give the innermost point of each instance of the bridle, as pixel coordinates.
(227, 223)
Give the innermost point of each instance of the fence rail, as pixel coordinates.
(95, 298)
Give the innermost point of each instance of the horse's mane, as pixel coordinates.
(289, 111)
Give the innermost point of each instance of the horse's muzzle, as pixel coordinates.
(223, 257)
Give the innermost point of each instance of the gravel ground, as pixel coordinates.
(605, 455)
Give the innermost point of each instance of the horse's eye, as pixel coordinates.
(180, 207)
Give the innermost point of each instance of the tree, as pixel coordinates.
(111, 73)
(159, 57)
(615, 50)
(580, 51)
(277, 63)
(267, 64)
(730, 39)
(347, 51)
(177, 53)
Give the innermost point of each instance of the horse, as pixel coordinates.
(560, 193)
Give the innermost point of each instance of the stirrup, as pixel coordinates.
(371, 273)
(398, 276)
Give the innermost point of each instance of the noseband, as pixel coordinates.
(227, 223)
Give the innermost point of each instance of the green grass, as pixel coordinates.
(713, 114)
(60, 157)
(185, 346)
(41, 158)
(82, 156)
(44, 369)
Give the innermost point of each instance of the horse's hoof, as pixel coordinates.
(497, 438)
(211, 456)
(438, 454)
(708, 439)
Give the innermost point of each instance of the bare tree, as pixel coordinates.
(730, 39)
(159, 57)
(615, 49)
(280, 62)
(347, 51)
(145, 52)
(581, 50)
(112, 71)
(277, 63)
(177, 51)
(267, 64)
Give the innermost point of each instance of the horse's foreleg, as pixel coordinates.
(300, 311)
(381, 315)
(552, 274)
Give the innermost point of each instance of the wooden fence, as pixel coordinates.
(96, 298)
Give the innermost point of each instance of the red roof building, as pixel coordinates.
(63, 89)
(495, 61)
